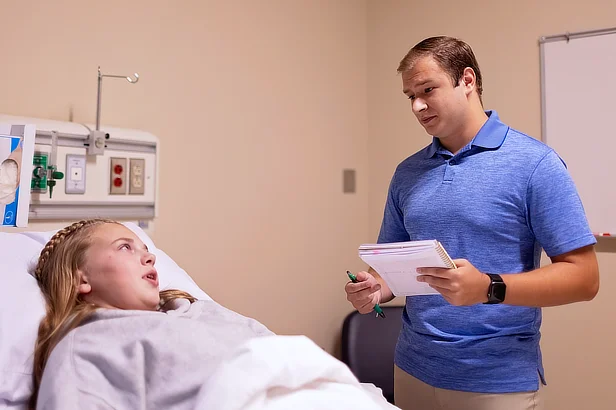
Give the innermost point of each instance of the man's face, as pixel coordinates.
(439, 106)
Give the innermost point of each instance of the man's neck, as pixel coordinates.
(472, 124)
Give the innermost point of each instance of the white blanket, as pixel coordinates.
(199, 356)
(283, 373)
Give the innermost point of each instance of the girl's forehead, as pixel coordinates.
(111, 231)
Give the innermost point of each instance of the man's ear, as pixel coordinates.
(468, 80)
(84, 287)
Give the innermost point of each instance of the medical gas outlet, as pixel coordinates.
(44, 174)
(76, 169)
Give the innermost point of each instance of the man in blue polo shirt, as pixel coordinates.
(494, 198)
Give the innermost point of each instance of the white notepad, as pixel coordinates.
(397, 264)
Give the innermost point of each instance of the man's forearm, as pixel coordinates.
(571, 278)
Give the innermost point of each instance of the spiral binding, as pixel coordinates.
(445, 256)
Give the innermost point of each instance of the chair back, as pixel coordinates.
(368, 345)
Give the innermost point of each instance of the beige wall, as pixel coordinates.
(259, 105)
(579, 341)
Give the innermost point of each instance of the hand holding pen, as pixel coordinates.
(364, 293)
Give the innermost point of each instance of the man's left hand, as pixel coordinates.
(463, 286)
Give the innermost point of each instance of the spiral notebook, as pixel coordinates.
(397, 264)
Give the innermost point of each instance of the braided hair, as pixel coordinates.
(57, 274)
(58, 238)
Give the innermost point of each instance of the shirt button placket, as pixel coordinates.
(449, 171)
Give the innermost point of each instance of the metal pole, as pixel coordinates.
(100, 90)
(98, 103)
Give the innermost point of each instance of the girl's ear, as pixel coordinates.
(84, 287)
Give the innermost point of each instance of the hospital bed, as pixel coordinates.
(309, 380)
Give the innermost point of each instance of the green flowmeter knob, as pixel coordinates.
(51, 183)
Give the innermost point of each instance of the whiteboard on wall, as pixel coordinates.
(578, 92)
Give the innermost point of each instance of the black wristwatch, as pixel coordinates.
(497, 289)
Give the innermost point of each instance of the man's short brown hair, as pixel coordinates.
(451, 54)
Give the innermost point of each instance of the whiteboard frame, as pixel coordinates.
(563, 37)
(550, 39)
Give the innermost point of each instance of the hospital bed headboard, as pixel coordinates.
(23, 305)
(118, 180)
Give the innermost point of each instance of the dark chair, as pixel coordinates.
(368, 345)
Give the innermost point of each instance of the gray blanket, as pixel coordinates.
(142, 360)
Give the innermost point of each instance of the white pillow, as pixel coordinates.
(21, 313)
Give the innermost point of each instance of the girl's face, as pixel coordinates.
(119, 270)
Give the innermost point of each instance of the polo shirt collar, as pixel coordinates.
(491, 135)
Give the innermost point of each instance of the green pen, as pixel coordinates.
(377, 308)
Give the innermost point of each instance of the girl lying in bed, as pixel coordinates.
(112, 340)
(97, 264)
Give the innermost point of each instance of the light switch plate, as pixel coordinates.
(75, 179)
(348, 181)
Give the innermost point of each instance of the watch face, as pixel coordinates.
(499, 291)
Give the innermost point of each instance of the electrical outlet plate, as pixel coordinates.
(117, 176)
(137, 176)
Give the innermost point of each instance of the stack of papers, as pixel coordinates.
(397, 264)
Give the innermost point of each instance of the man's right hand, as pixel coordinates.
(364, 294)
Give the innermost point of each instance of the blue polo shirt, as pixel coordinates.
(497, 203)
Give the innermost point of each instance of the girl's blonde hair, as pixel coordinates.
(58, 278)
